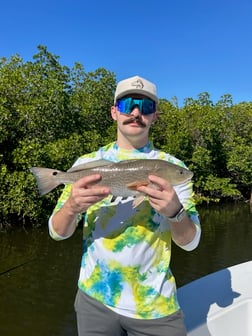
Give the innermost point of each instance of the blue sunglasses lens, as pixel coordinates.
(145, 105)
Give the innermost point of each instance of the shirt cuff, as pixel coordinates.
(54, 235)
(195, 242)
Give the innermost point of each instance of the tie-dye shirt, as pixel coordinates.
(126, 253)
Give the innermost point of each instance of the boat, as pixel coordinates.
(220, 303)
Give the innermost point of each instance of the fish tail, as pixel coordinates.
(45, 179)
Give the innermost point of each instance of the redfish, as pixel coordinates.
(123, 178)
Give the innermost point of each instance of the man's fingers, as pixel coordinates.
(156, 187)
(87, 186)
(162, 183)
(85, 181)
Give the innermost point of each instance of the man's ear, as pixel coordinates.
(155, 116)
(113, 113)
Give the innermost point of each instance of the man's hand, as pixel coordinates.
(163, 199)
(162, 196)
(85, 192)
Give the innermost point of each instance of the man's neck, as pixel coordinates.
(126, 143)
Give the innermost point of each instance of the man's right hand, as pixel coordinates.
(85, 192)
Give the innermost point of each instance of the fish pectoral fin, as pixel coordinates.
(138, 200)
(90, 165)
(134, 185)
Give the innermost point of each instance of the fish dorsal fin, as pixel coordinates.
(90, 165)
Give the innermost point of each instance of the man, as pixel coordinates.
(125, 285)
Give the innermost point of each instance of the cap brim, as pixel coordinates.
(135, 91)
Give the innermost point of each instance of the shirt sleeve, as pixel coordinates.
(66, 193)
(186, 197)
(64, 196)
(53, 234)
(195, 242)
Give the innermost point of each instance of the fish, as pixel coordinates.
(123, 177)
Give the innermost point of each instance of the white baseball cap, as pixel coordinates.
(137, 85)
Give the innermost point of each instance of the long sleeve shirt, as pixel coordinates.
(127, 251)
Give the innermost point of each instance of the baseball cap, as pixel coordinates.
(137, 85)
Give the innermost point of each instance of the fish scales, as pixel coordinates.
(122, 177)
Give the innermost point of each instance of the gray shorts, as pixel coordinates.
(93, 318)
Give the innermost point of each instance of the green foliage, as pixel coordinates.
(214, 141)
(238, 146)
(50, 115)
(213, 189)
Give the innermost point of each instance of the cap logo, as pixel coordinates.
(138, 84)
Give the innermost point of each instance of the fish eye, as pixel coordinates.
(55, 173)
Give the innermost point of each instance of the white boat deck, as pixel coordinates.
(219, 304)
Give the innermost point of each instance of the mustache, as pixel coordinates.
(136, 119)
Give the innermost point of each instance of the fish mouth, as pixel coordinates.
(135, 121)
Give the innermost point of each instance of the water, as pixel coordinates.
(226, 241)
(38, 291)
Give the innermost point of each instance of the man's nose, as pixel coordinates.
(135, 111)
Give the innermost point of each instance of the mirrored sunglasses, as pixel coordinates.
(145, 105)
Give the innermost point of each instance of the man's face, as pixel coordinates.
(134, 114)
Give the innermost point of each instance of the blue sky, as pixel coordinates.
(186, 47)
